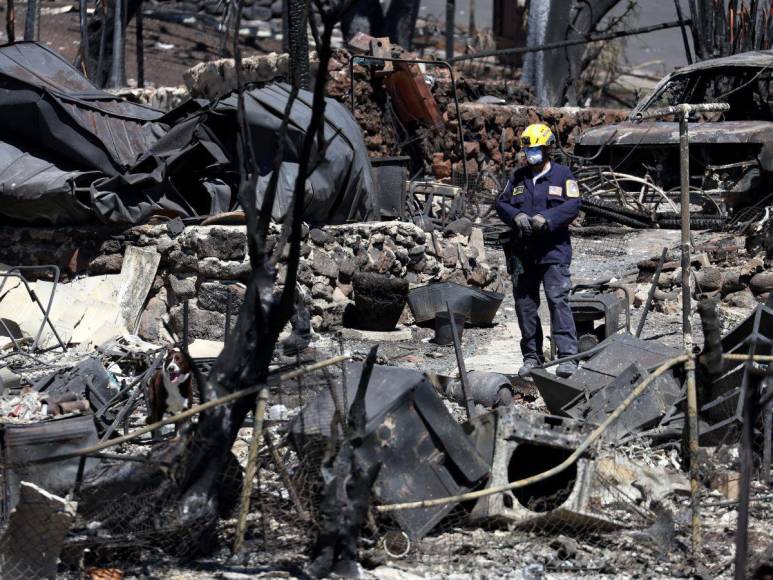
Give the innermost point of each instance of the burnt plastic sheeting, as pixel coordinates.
(141, 162)
(646, 411)
(478, 306)
(340, 184)
(610, 361)
(57, 114)
(193, 169)
(35, 190)
(25, 443)
(424, 452)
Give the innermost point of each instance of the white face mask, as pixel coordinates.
(533, 155)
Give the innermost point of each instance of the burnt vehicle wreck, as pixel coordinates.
(731, 153)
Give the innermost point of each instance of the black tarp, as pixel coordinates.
(73, 154)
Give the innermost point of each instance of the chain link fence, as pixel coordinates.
(622, 505)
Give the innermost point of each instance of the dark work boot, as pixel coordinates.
(566, 369)
(528, 365)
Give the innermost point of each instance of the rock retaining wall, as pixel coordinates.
(486, 128)
(204, 264)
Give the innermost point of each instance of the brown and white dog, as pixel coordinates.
(170, 390)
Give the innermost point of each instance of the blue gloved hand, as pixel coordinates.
(539, 223)
(522, 223)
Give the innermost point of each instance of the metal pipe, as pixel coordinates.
(692, 420)
(466, 391)
(651, 295)
(30, 24)
(118, 69)
(140, 46)
(680, 109)
(684, 164)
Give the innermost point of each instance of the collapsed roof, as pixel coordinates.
(73, 154)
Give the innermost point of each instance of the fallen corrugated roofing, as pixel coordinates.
(72, 154)
(47, 104)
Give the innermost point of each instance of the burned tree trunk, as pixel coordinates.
(365, 16)
(401, 21)
(96, 57)
(721, 28)
(297, 21)
(191, 467)
(348, 483)
(10, 21)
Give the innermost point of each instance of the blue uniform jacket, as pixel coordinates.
(556, 197)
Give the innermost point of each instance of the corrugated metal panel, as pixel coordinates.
(124, 130)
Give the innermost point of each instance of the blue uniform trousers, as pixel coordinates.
(557, 283)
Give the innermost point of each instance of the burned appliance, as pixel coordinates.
(424, 452)
(596, 311)
(527, 443)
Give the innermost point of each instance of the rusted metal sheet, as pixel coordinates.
(411, 95)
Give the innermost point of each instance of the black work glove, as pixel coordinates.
(522, 223)
(539, 223)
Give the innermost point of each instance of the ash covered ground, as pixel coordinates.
(648, 546)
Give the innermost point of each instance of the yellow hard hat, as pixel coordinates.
(537, 135)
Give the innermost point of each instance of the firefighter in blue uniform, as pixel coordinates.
(538, 203)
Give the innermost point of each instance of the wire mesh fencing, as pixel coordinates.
(546, 502)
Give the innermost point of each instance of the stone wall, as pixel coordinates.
(486, 127)
(204, 264)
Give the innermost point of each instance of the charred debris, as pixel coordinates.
(269, 330)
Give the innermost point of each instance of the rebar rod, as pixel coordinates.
(651, 295)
